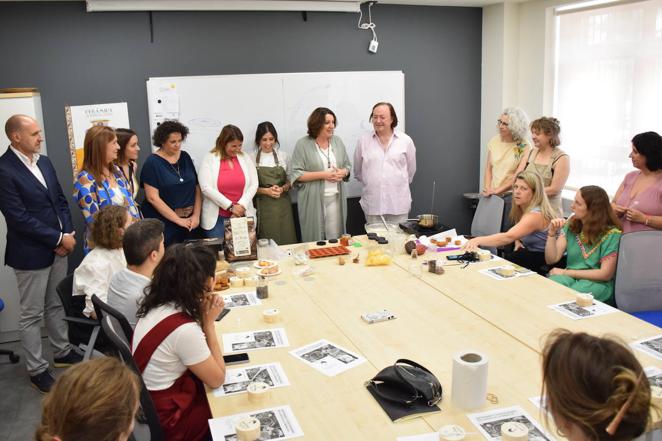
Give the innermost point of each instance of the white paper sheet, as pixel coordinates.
(651, 345)
(539, 402)
(654, 375)
(520, 271)
(166, 100)
(238, 379)
(574, 311)
(275, 423)
(489, 423)
(327, 357)
(260, 339)
(241, 299)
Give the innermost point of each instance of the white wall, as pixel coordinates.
(516, 71)
(500, 66)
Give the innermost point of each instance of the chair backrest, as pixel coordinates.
(638, 285)
(110, 327)
(64, 290)
(102, 309)
(488, 215)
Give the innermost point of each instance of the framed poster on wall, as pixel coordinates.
(81, 118)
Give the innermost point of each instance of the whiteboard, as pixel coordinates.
(206, 103)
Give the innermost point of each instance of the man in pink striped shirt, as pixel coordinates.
(385, 163)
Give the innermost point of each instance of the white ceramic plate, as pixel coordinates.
(257, 265)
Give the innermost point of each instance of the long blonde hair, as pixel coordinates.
(539, 198)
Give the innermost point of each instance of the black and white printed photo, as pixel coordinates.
(269, 427)
(655, 344)
(260, 374)
(262, 339)
(493, 428)
(237, 300)
(328, 351)
(233, 388)
(655, 380)
(574, 308)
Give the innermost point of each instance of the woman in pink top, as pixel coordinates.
(228, 181)
(638, 201)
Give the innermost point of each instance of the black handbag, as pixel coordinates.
(406, 383)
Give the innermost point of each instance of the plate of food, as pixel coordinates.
(273, 270)
(264, 263)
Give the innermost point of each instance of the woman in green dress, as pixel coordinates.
(318, 169)
(591, 238)
(274, 207)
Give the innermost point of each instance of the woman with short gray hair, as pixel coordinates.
(506, 152)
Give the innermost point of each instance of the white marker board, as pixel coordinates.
(206, 103)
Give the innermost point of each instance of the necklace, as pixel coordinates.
(326, 155)
(176, 170)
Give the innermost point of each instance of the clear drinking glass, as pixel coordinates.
(263, 249)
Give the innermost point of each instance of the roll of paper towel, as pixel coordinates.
(469, 380)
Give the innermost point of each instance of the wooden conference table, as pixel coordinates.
(437, 317)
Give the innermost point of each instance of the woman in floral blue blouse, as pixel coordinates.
(100, 182)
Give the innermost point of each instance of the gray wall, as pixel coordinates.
(76, 58)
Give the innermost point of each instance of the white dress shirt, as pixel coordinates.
(31, 165)
(94, 273)
(385, 173)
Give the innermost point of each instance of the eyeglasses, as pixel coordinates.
(501, 123)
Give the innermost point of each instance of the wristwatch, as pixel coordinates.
(230, 207)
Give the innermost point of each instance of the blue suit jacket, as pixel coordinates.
(31, 212)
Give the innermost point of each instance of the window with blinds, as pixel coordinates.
(607, 85)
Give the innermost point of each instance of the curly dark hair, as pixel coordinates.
(180, 278)
(165, 129)
(108, 227)
(649, 144)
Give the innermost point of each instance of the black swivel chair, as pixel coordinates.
(102, 309)
(110, 326)
(82, 330)
(12, 356)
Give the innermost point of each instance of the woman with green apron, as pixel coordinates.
(274, 207)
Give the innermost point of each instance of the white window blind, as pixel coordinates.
(607, 86)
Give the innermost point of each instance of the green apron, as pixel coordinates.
(274, 216)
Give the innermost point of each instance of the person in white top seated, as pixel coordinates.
(385, 163)
(175, 343)
(106, 258)
(143, 249)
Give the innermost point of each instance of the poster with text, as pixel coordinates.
(81, 118)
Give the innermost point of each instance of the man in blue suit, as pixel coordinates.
(40, 235)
